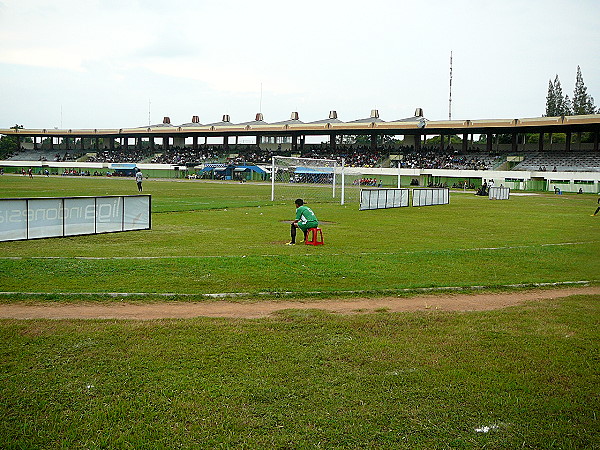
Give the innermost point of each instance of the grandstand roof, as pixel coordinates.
(254, 122)
(330, 120)
(288, 122)
(373, 125)
(367, 120)
(223, 123)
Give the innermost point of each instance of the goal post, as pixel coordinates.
(307, 178)
(324, 180)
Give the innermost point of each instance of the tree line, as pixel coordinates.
(558, 104)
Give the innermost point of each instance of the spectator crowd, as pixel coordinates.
(405, 157)
(434, 158)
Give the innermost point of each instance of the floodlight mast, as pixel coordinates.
(450, 98)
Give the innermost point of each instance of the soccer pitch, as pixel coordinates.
(211, 238)
(521, 376)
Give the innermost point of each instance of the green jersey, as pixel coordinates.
(306, 218)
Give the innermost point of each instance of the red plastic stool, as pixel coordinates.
(314, 236)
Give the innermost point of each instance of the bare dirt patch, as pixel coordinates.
(258, 309)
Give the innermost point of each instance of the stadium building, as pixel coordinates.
(529, 154)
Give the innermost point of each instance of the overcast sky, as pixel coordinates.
(114, 63)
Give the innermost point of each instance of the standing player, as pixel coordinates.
(598, 208)
(305, 219)
(139, 177)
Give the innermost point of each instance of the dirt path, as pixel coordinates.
(149, 311)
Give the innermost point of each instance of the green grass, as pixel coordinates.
(304, 379)
(204, 235)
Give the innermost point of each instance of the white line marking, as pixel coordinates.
(411, 252)
(337, 293)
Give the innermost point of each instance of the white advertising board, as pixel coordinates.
(35, 218)
(499, 193)
(109, 214)
(44, 218)
(431, 196)
(13, 224)
(383, 198)
(80, 216)
(137, 213)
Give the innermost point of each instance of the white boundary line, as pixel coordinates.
(334, 293)
(412, 252)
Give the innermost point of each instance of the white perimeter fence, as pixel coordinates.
(35, 218)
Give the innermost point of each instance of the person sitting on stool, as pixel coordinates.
(305, 219)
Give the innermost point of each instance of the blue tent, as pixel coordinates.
(251, 168)
(320, 170)
(125, 166)
(228, 171)
(123, 169)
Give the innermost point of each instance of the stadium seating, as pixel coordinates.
(427, 157)
(560, 162)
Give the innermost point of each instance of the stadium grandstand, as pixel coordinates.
(505, 150)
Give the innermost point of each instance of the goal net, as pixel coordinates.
(313, 180)
(356, 179)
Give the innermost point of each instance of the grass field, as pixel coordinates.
(215, 238)
(523, 376)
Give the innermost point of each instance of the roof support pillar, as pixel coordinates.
(195, 142)
(568, 141)
(373, 142)
(514, 142)
(332, 141)
(226, 142)
(418, 139)
(541, 142)
(596, 140)
(465, 142)
(489, 140)
(294, 142)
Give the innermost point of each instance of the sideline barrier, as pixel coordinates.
(43, 217)
(383, 198)
(430, 196)
(499, 193)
